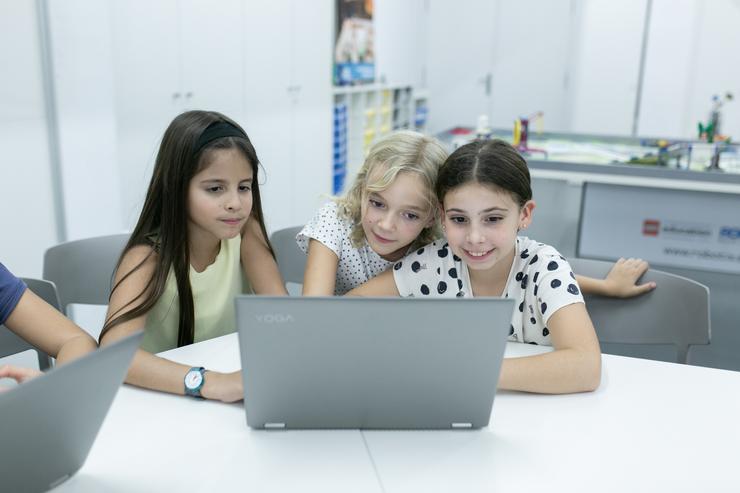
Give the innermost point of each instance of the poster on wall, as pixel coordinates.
(677, 228)
(354, 53)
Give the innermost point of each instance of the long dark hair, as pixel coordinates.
(494, 163)
(163, 223)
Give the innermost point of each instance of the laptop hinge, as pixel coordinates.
(462, 425)
(274, 426)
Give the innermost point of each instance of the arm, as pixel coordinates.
(258, 263)
(620, 282)
(43, 326)
(574, 365)
(380, 285)
(147, 370)
(320, 277)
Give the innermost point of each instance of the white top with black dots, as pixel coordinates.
(356, 265)
(540, 280)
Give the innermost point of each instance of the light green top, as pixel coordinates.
(213, 289)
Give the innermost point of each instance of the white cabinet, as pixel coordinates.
(459, 62)
(400, 42)
(532, 49)
(288, 103)
(170, 56)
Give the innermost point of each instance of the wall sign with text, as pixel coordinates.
(678, 228)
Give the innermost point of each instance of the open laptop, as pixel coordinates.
(371, 363)
(49, 423)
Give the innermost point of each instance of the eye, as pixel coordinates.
(215, 189)
(459, 219)
(410, 216)
(245, 188)
(494, 219)
(375, 203)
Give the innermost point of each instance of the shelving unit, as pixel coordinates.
(362, 115)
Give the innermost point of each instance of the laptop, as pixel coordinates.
(49, 423)
(371, 363)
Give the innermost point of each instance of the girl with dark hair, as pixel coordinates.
(485, 199)
(200, 241)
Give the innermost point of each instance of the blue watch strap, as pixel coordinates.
(195, 391)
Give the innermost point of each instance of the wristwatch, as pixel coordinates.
(194, 380)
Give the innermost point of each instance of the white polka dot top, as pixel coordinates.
(356, 265)
(541, 281)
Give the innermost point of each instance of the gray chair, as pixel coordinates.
(290, 259)
(83, 269)
(11, 343)
(676, 312)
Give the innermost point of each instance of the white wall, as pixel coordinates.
(27, 216)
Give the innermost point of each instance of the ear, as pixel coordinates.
(526, 213)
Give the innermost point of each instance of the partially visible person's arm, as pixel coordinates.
(620, 282)
(258, 263)
(148, 370)
(43, 326)
(381, 285)
(320, 277)
(574, 365)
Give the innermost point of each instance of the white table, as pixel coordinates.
(651, 426)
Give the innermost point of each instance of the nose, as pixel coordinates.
(475, 235)
(386, 221)
(233, 203)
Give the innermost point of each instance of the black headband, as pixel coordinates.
(217, 130)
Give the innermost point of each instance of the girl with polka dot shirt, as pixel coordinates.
(388, 212)
(485, 200)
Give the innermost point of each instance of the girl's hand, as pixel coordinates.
(621, 281)
(225, 387)
(18, 374)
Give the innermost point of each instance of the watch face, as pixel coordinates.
(193, 379)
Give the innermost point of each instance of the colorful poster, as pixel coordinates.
(354, 53)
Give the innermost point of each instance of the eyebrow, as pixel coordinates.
(485, 211)
(412, 207)
(222, 181)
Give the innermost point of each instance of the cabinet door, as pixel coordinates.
(532, 53)
(211, 41)
(148, 93)
(311, 148)
(608, 69)
(400, 44)
(267, 114)
(460, 53)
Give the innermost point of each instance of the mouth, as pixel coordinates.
(382, 239)
(232, 222)
(479, 255)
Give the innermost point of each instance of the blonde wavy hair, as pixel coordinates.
(403, 151)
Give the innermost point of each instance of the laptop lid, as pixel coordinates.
(384, 363)
(50, 422)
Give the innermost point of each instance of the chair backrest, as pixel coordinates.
(290, 258)
(83, 269)
(11, 343)
(675, 312)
